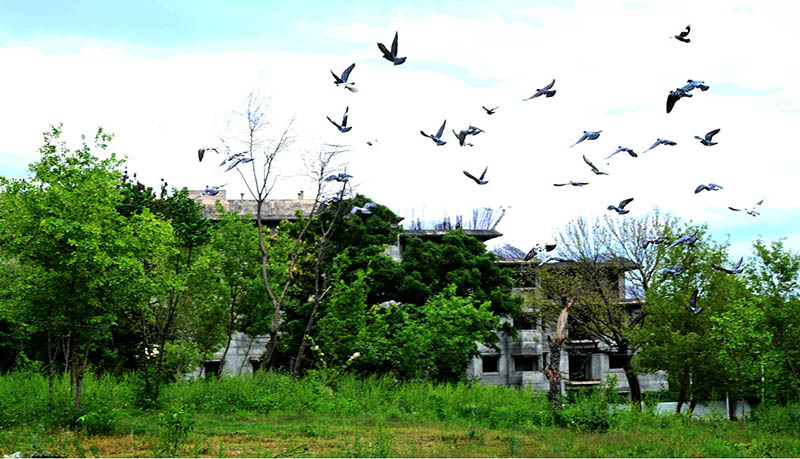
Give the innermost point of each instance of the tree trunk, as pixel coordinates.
(732, 410)
(80, 370)
(633, 379)
(682, 391)
(553, 373)
(553, 370)
(51, 371)
(692, 403)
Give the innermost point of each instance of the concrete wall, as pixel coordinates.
(237, 361)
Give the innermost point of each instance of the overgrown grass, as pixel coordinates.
(327, 414)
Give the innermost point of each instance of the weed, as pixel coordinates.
(175, 426)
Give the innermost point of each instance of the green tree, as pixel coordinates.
(742, 339)
(674, 339)
(774, 278)
(459, 260)
(82, 263)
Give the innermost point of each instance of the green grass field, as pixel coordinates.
(344, 416)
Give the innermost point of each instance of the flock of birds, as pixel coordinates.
(391, 55)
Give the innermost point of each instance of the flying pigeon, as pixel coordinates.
(438, 137)
(371, 142)
(625, 149)
(693, 303)
(752, 211)
(707, 140)
(675, 96)
(683, 36)
(709, 187)
(660, 142)
(675, 270)
(594, 168)
(462, 138)
(489, 111)
(233, 157)
(538, 249)
(737, 268)
(474, 130)
(620, 208)
(344, 127)
(391, 56)
(343, 79)
(210, 191)
(658, 240)
(480, 180)
(340, 177)
(364, 210)
(687, 239)
(324, 204)
(571, 183)
(691, 84)
(237, 162)
(201, 152)
(587, 135)
(547, 91)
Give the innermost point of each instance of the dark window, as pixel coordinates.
(617, 360)
(526, 363)
(255, 363)
(490, 363)
(212, 367)
(524, 323)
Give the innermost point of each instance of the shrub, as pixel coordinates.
(775, 418)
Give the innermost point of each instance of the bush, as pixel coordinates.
(775, 418)
(100, 421)
(174, 427)
(590, 411)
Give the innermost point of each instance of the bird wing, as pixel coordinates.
(711, 134)
(700, 188)
(594, 169)
(233, 164)
(735, 209)
(531, 97)
(738, 263)
(759, 202)
(624, 203)
(671, 99)
(580, 183)
(334, 123)
(483, 174)
(426, 135)
(344, 118)
(386, 54)
(471, 176)
(549, 247)
(583, 137)
(686, 32)
(487, 110)
(441, 130)
(336, 77)
(560, 184)
(531, 254)
(394, 45)
(200, 153)
(693, 299)
(346, 73)
(370, 205)
(549, 86)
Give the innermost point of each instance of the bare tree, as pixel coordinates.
(263, 150)
(609, 256)
(319, 169)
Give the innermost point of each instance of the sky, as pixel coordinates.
(170, 77)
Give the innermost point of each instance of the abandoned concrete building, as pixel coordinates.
(518, 363)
